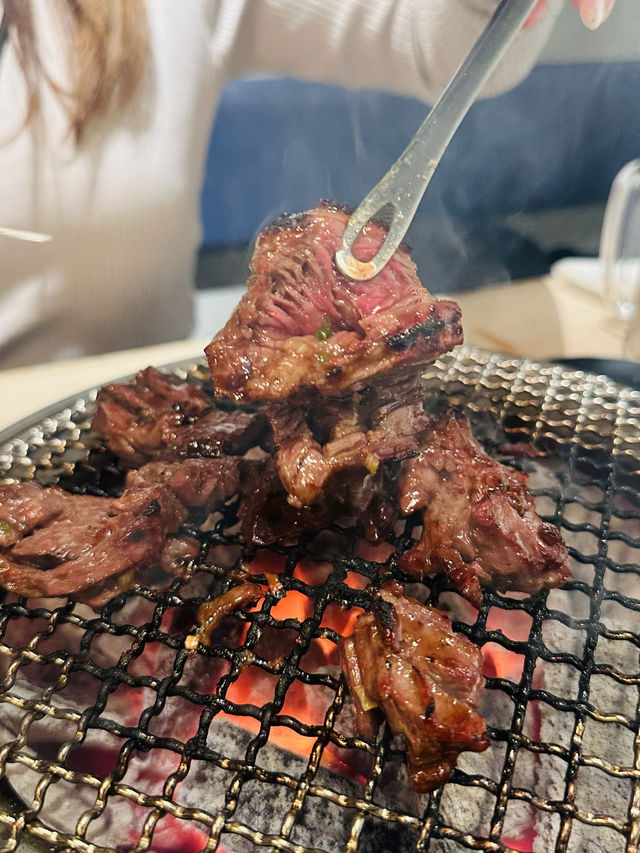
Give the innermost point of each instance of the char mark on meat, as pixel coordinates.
(155, 416)
(57, 544)
(480, 526)
(404, 662)
(303, 325)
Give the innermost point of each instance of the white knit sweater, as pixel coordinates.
(123, 209)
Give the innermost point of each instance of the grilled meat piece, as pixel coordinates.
(155, 416)
(308, 468)
(211, 613)
(221, 432)
(27, 506)
(267, 515)
(404, 661)
(479, 526)
(302, 324)
(338, 444)
(264, 512)
(195, 482)
(90, 548)
(138, 419)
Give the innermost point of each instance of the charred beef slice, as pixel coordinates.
(157, 416)
(479, 523)
(138, 419)
(404, 662)
(199, 482)
(53, 543)
(303, 325)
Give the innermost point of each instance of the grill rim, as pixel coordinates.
(14, 431)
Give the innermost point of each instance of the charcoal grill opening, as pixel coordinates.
(115, 735)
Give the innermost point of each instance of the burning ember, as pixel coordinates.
(264, 678)
(501, 661)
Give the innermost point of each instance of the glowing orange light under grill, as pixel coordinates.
(306, 703)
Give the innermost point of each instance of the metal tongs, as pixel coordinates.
(400, 190)
(28, 236)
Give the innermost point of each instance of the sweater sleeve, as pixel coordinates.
(410, 47)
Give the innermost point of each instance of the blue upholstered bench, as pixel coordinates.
(553, 143)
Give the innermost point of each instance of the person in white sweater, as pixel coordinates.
(112, 167)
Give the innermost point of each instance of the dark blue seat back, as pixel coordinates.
(554, 141)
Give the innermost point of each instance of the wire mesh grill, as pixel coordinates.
(115, 737)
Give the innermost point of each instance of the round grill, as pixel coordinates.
(116, 737)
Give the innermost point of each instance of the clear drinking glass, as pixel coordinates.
(620, 253)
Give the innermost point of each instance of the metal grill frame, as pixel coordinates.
(587, 426)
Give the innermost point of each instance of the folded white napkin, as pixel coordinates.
(621, 293)
(587, 273)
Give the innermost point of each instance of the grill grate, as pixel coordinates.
(115, 737)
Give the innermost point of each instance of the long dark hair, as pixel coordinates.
(107, 49)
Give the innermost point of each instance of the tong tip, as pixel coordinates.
(355, 269)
